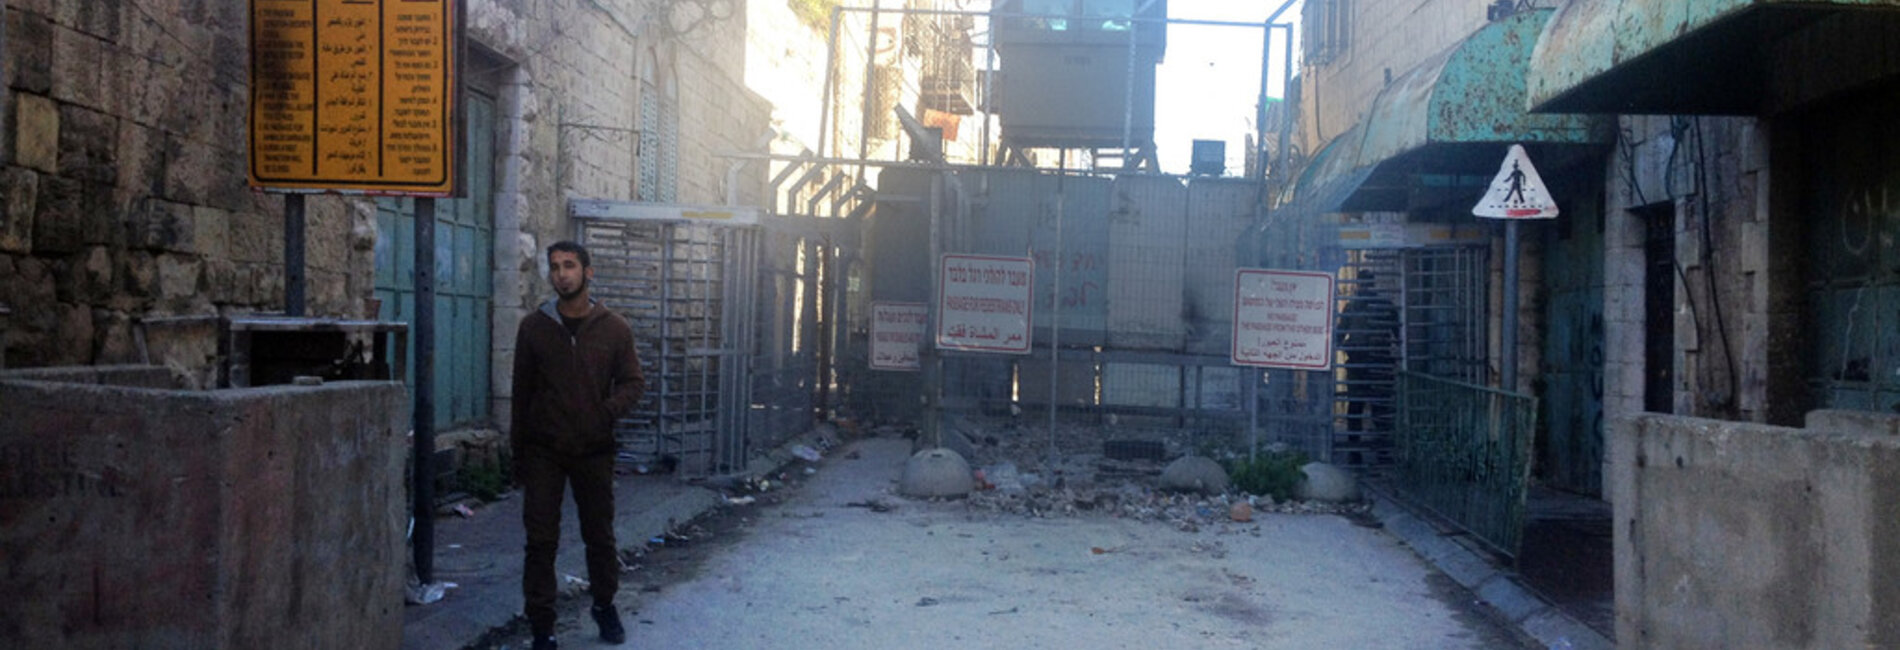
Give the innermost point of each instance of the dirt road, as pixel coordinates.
(843, 562)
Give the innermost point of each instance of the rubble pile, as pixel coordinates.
(1129, 501)
(1016, 474)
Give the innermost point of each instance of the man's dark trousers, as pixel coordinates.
(545, 473)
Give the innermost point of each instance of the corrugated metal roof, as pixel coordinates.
(1666, 56)
(1471, 93)
(1444, 116)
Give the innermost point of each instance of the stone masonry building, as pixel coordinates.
(125, 195)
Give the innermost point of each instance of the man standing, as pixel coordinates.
(1368, 328)
(575, 373)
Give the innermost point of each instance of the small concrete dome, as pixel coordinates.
(936, 473)
(1194, 474)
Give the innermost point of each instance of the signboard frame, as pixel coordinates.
(982, 311)
(1310, 308)
(721, 215)
(883, 328)
(294, 122)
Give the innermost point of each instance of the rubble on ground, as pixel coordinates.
(1017, 474)
(1129, 501)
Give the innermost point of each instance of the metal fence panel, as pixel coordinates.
(1142, 268)
(1464, 451)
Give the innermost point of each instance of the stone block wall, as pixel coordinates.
(1712, 174)
(136, 515)
(570, 75)
(1741, 535)
(124, 187)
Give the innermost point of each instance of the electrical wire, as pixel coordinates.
(1728, 402)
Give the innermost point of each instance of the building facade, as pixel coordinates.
(127, 203)
(1710, 321)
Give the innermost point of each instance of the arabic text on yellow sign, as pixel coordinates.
(353, 95)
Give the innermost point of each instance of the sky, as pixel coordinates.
(1209, 82)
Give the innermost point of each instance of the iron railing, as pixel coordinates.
(1464, 451)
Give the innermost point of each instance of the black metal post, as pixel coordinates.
(1508, 337)
(423, 421)
(293, 255)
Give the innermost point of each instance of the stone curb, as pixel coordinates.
(1501, 590)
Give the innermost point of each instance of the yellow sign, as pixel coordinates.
(353, 95)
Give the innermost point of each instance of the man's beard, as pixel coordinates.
(570, 294)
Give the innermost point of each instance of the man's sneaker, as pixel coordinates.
(609, 620)
(545, 643)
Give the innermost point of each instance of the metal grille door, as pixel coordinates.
(1444, 313)
(678, 284)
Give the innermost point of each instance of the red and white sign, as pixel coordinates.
(897, 335)
(1283, 319)
(1517, 192)
(983, 303)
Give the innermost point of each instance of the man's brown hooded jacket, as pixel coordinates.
(570, 388)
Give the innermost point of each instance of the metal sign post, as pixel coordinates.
(423, 413)
(358, 97)
(1282, 319)
(293, 255)
(1517, 193)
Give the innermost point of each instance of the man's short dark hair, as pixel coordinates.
(569, 246)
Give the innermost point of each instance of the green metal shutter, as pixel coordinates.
(464, 245)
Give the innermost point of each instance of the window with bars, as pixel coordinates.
(1328, 29)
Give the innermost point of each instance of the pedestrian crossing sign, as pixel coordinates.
(1517, 192)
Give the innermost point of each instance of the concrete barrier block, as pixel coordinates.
(1735, 534)
(143, 517)
(1866, 423)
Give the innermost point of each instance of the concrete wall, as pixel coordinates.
(1741, 535)
(157, 518)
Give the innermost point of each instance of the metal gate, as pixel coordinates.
(1464, 451)
(688, 288)
(1368, 333)
(1445, 313)
(1126, 341)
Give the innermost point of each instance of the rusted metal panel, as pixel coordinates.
(1593, 49)
(1472, 92)
(1332, 176)
(1397, 121)
(1480, 92)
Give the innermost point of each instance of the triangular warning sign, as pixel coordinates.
(1518, 192)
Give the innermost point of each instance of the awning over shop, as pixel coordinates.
(1714, 57)
(1443, 125)
(1332, 177)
